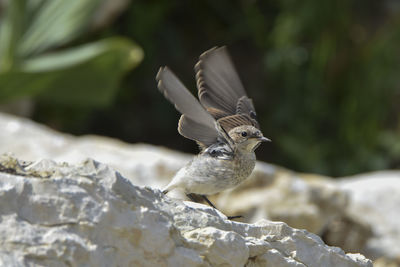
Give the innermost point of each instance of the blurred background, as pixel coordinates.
(323, 75)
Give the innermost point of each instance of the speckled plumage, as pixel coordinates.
(206, 174)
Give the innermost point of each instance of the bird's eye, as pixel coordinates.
(244, 134)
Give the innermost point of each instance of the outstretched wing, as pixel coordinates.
(195, 123)
(221, 92)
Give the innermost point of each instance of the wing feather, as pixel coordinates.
(195, 123)
(196, 131)
(220, 88)
(233, 121)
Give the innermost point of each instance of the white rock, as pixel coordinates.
(375, 200)
(280, 194)
(271, 192)
(89, 215)
(144, 164)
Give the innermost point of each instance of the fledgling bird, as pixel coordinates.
(224, 125)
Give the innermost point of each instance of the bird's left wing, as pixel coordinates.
(195, 123)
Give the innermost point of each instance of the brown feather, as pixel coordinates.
(217, 113)
(196, 131)
(196, 124)
(220, 89)
(230, 122)
(218, 84)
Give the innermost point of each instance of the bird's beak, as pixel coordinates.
(264, 139)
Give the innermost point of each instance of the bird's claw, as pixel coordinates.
(234, 217)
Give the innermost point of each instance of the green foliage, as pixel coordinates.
(338, 77)
(84, 75)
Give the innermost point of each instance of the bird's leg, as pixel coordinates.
(212, 205)
(195, 198)
(208, 201)
(234, 217)
(192, 197)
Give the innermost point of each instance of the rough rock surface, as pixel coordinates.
(89, 215)
(331, 208)
(271, 192)
(375, 199)
(278, 194)
(142, 164)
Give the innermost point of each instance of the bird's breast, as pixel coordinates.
(244, 165)
(208, 175)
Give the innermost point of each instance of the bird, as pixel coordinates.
(223, 122)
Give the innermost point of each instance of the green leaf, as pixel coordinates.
(11, 27)
(82, 76)
(55, 23)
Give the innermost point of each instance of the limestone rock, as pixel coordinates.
(352, 235)
(319, 204)
(143, 164)
(271, 192)
(279, 194)
(375, 200)
(89, 215)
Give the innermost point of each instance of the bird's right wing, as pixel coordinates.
(195, 123)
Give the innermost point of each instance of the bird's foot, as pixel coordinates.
(194, 198)
(234, 217)
(212, 205)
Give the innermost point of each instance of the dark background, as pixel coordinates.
(323, 75)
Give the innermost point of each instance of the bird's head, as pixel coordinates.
(247, 137)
